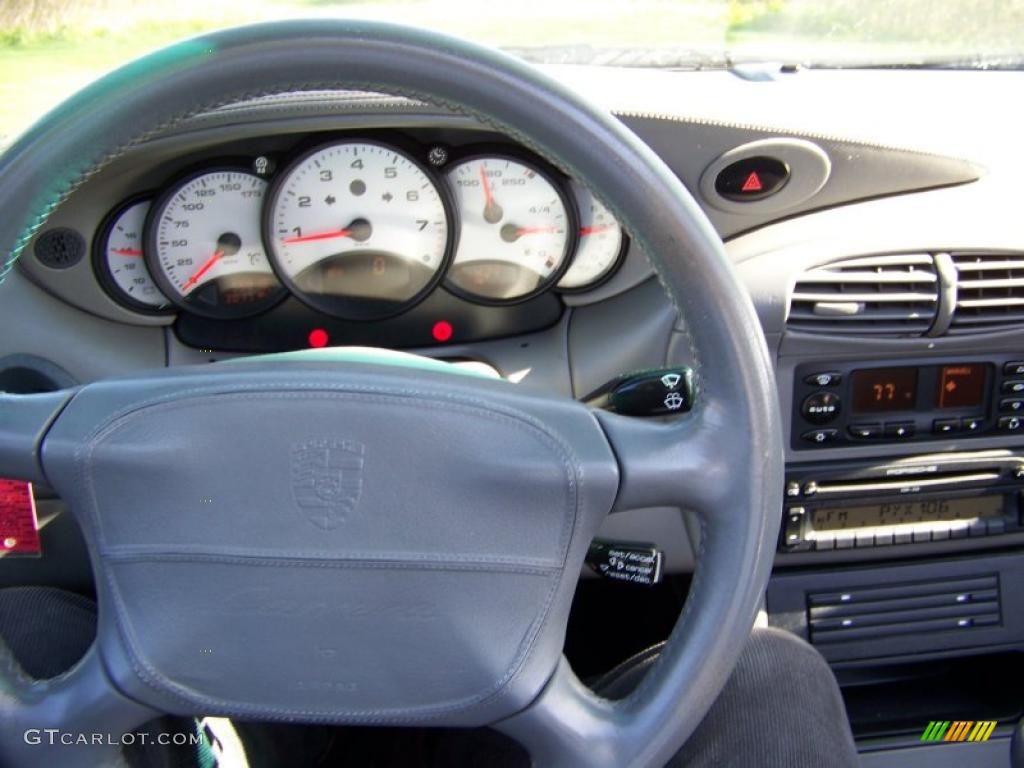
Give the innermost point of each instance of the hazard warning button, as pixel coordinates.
(752, 178)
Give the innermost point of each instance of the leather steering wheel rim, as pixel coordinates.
(723, 460)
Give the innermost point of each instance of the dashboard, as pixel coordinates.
(308, 242)
(878, 235)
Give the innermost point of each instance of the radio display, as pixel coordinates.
(884, 389)
(906, 513)
(961, 386)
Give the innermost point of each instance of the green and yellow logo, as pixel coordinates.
(958, 730)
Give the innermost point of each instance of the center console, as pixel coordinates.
(907, 543)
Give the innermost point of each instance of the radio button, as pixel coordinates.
(1010, 423)
(844, 540)
(864, 539)
(1014, 368)
(821, 407)
(978, 528)
(1011, 404)
(1013, 386)
(940, 534)
(945, 426)
(904, 536)
(820, 436)
(899, 429)
(865, 431)
(829, 378)
(823, 541)
(883, 538)
(996, 527)
(921, 535)
(958, 530)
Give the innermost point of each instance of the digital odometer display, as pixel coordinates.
(884, 389)
(906, 513)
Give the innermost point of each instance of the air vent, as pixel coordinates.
(870, 296)
(990, 292)
(927, 607)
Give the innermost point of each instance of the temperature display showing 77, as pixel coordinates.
(884, 389)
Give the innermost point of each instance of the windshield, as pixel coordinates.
(50, 48)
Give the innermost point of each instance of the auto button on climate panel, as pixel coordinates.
(821, 407)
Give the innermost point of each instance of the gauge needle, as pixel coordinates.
(492, 211)
(584, 231)
(126, 251)
(198, 274)
(510, 232)
(359, 229)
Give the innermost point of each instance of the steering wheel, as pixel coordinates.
(384, 544)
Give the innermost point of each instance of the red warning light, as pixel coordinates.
(442, 331)
(753, 183)
(318, 338)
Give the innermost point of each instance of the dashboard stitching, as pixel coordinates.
(353, 561)
(775, 130)
(520, 420)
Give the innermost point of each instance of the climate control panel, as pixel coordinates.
(867, 402)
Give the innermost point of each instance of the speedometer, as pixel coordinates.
(516, 229)
(358, 229)
(204, 245)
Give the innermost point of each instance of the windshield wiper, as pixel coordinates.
(647, 58)
(966, 61)
(700, 59)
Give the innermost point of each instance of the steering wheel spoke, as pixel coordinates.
(24, 421)
(684, 463)
(76, 719)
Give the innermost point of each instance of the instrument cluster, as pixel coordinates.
(358, 229)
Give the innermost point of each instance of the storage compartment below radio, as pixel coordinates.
(956, 605)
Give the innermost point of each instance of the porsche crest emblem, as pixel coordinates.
(327, 479)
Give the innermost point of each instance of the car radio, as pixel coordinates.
(857, 403)
(939, 497)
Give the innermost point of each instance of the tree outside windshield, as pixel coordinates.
(51, 48)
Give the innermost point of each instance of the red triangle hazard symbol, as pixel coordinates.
(753, 183)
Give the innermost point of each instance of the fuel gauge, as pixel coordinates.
(118, 259)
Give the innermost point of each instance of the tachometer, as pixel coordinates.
(119, 263)
(600, 244)
(517, 229)
(358, 229)
(204, 245)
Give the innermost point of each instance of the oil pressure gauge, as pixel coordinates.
(204, 245)
(119, 263)
(517, 229)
